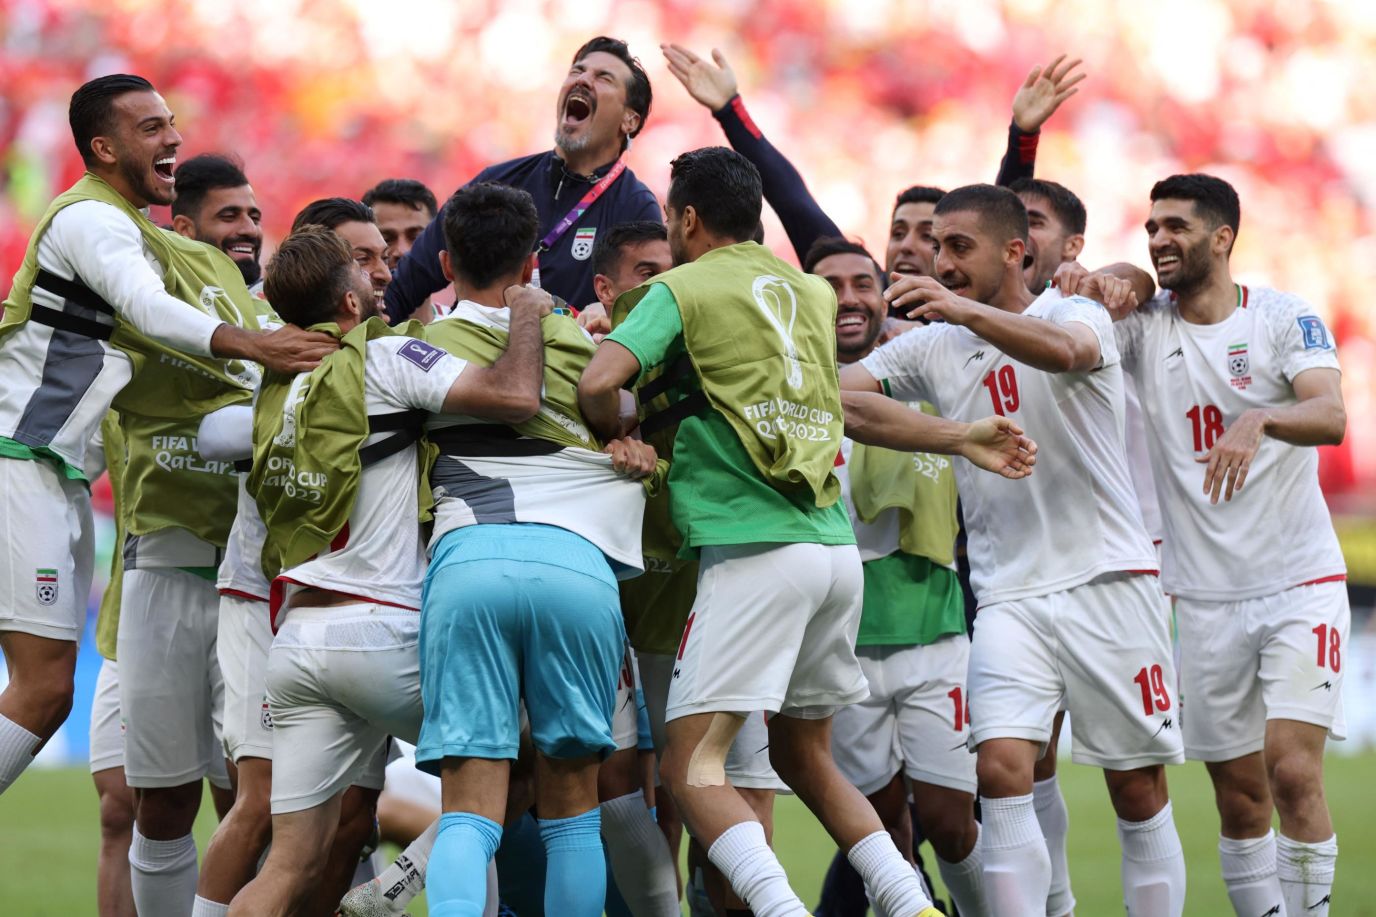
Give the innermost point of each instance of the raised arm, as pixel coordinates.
(1120, 287)
(1036, 100)
(509, 390)
(713, 84)
(1044, 345)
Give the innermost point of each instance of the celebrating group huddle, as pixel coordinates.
(644, 458)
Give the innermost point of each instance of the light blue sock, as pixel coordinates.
(576, 880)
(456, 881)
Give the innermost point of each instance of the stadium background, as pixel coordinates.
(325, 97)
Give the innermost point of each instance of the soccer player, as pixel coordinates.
(1069, 606)
(1238, 383)
(532, 527)
(403, 207)
(356, 224)
(342, 672)
(581, 187)
(911, 643)
(215, 204)
(752, 490)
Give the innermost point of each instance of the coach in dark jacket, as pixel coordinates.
(603, 103)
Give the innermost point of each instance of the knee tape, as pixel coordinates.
(707, 766)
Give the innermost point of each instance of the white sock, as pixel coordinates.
(1249, 871)
(207, 908)
(744, 858)
(1306, 875)
(162, 875)
(405, 878)
(1153, 866)
(640, 858)
(965, 881)
(890, 881)
(1017, 866)
(1054, 818)
(17, 747)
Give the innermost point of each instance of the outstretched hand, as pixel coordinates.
(997, 444)
(1043, 92)
(712, 86)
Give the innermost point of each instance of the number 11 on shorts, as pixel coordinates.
(1155, 698)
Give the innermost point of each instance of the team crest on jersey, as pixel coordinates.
(582, 243)
(1239, 366)
(45, 586)
(265, 719)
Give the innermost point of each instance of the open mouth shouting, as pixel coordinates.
(851, 325)
(579, 106)
(1166, 260)
(908, 266)
(164, 166)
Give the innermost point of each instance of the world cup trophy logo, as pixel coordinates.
(779, 304)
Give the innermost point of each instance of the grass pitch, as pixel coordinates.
(49, 840)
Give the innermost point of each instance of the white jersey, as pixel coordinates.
(1139, 460)
(59, 384)
(226, 435)
(574, 489)
(379, 556)
(1195, 380)
(1076, 517)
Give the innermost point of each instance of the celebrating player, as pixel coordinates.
(1238, 383)
(1069, 613)
(215, 204)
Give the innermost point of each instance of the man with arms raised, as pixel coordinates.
(1238, 384)
(1069, 606)
(581, 187)
(752, 489)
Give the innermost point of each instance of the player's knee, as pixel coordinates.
(1139, 794)
(116, 816)
(950, 828)
(165, 813)
(1002, 774)
(46, 696)
(1296, 782)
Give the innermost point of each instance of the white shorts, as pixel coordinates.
(408, 782)
(1277, 657)
(107, 733)
(913, 721)
(747, 763)
(1101, 651)
(772, 628)
(170, 694)
(47, 550)
(626, 716)
(244, 637)
(340, 681)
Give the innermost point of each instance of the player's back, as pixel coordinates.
(1195, 381)
(1077, 516)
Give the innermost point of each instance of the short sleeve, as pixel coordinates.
(1127, 332)
(653, 330)
(409, 373)
(1068, 309)
(903, 365)
(1299, 338)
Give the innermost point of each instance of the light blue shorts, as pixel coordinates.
(511, 612)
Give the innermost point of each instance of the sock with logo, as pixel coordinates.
(162, 874)
(1249, 872)
(576, 870)
(17, 748)
(1054, 819)
(1153, 866)
(745, 860)
(464, 845)
(405, 878)
(1017, 866)
(1306, 875)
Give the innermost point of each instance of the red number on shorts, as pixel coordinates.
(1330, 645)
(1207, 425)
(962, 717)
(1003, 389)
(627, 672)
(1155, 697)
